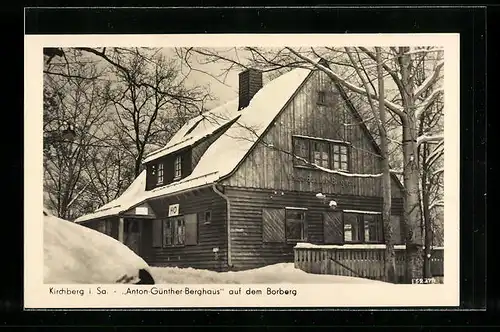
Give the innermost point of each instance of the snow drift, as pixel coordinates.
(282, 273)
(74, 254)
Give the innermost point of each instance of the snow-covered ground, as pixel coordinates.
(272, 274)
(74, 254)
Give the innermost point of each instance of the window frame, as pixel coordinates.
(207, 221)
(177, 167)
(160, 174)
(303, 222)
(331, 147)
(361, 227)
(321, 97)
(173, 225)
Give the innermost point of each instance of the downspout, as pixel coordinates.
(228, 223)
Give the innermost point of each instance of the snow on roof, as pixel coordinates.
(198, 128)
(224, 155)
(134, 192)
(229, 149)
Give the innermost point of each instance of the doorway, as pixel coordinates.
(132, 234)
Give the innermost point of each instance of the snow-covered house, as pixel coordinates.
(238, 186)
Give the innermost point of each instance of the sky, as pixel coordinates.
(221, 91)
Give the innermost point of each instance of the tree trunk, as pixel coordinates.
(426, 215)
(390, 257)
(411, 175)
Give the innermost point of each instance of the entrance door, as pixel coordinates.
(132, 234)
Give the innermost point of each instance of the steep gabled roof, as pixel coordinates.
(198, 128)
(225, 154)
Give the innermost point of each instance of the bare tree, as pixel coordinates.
(134, 100)
(406, 104)
(74, 112)
(150, 97)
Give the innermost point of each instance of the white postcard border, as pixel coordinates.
(37, 295)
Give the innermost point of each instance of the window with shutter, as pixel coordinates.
(191, 224)
(273, 225)
(333, 227)
(179, 228)
(167, 233)
(157, 233)
(295, 226)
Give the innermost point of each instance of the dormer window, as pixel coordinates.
(177, 167)
(160, 174)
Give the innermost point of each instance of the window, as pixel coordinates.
(325, 153)
(207, 218)
(363, 228)
(301, 150)
(283, 225)
(104, 226)
(339, 153)
(321, 97)
(173, 232)
(177, 167)
(320, 154)
(160, 174)
(294, 227)
(178, 231)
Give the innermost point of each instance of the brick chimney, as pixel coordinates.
(250, 83)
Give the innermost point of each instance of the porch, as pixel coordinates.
(366, 261)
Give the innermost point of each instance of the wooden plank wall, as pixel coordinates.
(273, 168)
(248, 250)
(209, 236)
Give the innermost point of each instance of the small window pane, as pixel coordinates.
(321, 154)
(301, 149)
(351, 228)
(180, 232)
(373, 228)
(167, 233)
(177, 167)
(294, 230)
(343, 157)
(343, 149)
(336, 148)
(295, 215)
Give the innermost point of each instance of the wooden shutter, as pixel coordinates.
(396, 229)
(191, 222)
(333, 227)
(157, 233)
(273, 225)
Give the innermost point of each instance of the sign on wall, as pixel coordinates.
(142, 210)
(173, 210)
